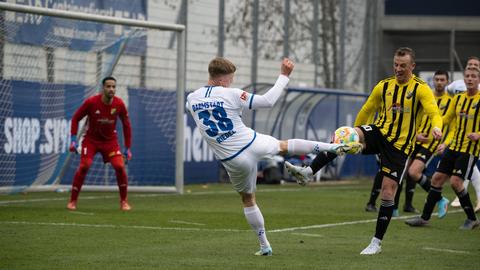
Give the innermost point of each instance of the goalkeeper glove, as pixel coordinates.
(128, 154)
(73, 144)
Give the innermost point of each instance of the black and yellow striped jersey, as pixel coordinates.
(400, 107)
(425, 127)
(465, 118)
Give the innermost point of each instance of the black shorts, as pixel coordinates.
(421, 153)
(393, 161)
(457, 163)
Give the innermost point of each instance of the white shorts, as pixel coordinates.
(243, 168)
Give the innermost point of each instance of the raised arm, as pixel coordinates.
(268, 99)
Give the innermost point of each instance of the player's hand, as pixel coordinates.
(437, 133)
(473, 136)
(287, 67)
(128, 154)
(441, 148)
(73, 144)
(422, 137)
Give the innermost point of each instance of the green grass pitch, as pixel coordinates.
(313, 227)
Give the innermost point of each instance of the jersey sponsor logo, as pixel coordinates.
(243, 96)
(397, 108)
(113, 110)
(97, 112)
(105, 121)
(464, 114)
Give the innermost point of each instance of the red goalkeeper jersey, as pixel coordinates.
(102, 119)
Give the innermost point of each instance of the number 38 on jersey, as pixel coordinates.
(220, 121)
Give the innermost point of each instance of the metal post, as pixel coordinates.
(50, 64)
(254, 42)
(452, 55)
(254, 70)
(343, 25)
(181, 87)
(315, 42)
(221, 28)
(286, 27)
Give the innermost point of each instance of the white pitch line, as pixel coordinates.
(447, 250)
(61, 224)
(81, 213)
(319, 226)
(199, 193)
(186, 222)
(308, 234)
(200, 229)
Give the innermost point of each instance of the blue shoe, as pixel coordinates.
(395, 213)
(267, 251)
(442, 207)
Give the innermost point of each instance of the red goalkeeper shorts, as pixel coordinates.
(108, 149)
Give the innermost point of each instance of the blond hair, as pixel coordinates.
(402, 51)
(220, 66)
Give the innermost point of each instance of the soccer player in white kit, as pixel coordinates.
(458, 87)
(217, 109)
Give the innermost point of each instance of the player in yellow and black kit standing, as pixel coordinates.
(426, 147)
(400, 100)
(461, 155)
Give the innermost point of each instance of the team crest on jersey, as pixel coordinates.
(113, 111)
(409, 94)
(389, 93)
(243, 96)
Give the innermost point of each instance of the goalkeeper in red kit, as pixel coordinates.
(102, 111)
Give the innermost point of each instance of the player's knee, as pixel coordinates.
(117, 163)
(414, 172)
(283, 147)
(248, 199)
(456, 183)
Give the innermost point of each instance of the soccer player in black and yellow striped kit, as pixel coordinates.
(401, 100)
(426, 147)
(461, 155)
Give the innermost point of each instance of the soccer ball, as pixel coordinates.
(345, 135)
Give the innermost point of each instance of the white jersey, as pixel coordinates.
(217, 112)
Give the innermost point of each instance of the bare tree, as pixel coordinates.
(238, 29)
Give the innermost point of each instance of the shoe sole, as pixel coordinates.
(298, 176)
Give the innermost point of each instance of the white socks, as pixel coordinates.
(301, 147)
(475, 180)
(255, 219)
